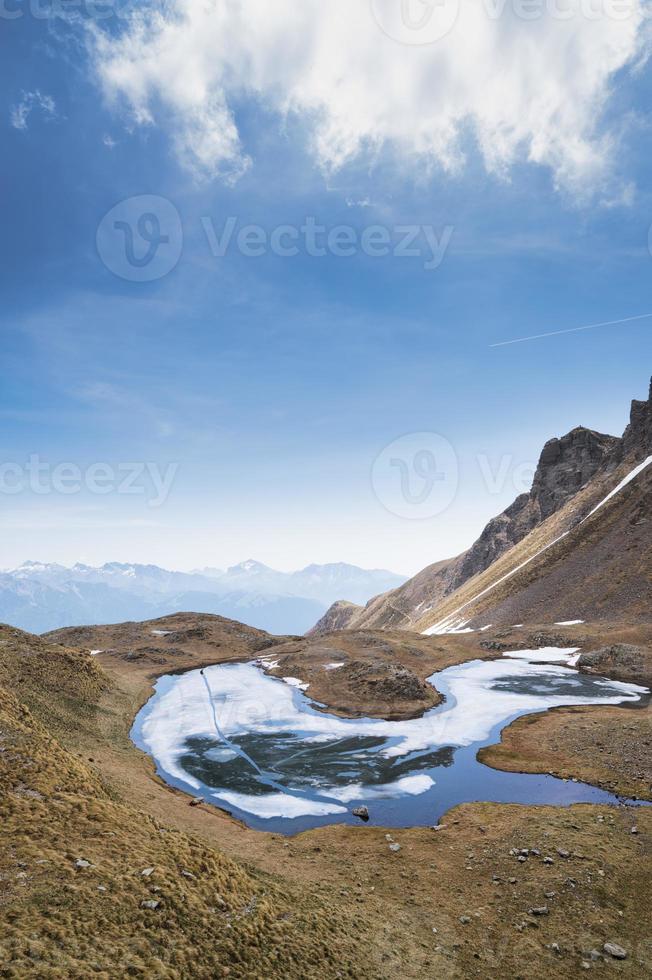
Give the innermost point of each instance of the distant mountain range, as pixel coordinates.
(38, 597)
(577, 546)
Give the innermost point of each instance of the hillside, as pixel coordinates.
(610, 551)
(93, 886)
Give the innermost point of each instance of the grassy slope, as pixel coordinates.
(214, 919)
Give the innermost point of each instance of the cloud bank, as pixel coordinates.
(528, 83)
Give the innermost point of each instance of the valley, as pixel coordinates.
(77, 789)
(527, 852)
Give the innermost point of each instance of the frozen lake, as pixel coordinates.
(262, 749)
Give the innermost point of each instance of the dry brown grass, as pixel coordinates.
(60, 920)
(608, 747)
(334, 902)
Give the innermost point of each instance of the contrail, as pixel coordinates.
(556, 333)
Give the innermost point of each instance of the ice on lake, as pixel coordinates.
(263, 749)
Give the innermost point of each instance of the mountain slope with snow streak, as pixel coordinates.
(599, 570)
(588, 509)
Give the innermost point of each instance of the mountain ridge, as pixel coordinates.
(39, 596)
(568, 466)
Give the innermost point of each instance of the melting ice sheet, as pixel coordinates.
(262, 749)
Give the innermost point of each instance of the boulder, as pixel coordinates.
(615, 951)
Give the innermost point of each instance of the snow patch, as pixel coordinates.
(546, 655)
(406, 786)
(278, 805)
(334, 666)
(449, 626)
(623, 483)
(570, 622)
(296, 682)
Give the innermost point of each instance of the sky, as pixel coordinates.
(259, 262)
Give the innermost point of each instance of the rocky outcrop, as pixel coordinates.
(568, 463)
(622, 661)
(565, 465)
(337, 617)
(637, 438)
(385, 682)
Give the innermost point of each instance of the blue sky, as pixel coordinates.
(272, 383)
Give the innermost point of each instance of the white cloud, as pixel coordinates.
(527, 89)
(29, 101)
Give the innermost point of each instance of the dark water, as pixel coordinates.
(259, 763)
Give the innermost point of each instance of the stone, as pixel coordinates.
(615, 951)
(150, 904)
(562, 853)
(146, 872)
(395, 847)
(362, 812)
(81, 863)
(196, 800)
(465, 919)
(539, 910)
(620, 656)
